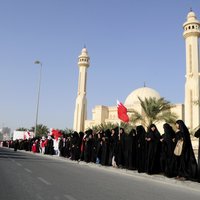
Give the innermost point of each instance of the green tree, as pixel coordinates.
(104, 126)
(66, 132)
(41, 129)
(21, 129)
(153, 111)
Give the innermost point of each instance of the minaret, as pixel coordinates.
(80, 113)
(192, 85)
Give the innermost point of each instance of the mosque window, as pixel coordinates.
(192, 27)
(189, 27)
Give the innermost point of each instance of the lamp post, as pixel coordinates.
(38, 94)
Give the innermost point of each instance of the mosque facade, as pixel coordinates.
(188, 112)
(106, 114)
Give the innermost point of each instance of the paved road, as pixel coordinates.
(25, 176)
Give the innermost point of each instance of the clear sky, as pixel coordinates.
(129, 42)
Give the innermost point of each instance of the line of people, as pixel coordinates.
(141, 150)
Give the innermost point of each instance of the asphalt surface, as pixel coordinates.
(27, 176)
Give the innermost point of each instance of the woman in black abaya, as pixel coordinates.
(153, 150)
(113, 147)
(186, 167)
(167, 150)
(88, 146)
(105, 147)
(16, 145)
(75, 146)
(120, 157)
(141, 149)
(130, 150)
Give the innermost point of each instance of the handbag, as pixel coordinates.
(179, 147)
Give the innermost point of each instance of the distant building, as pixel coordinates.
(5, 133)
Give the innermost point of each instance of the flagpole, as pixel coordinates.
(119, 130)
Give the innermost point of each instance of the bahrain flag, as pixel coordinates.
(122, 112)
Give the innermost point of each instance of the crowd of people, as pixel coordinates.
(145, 151)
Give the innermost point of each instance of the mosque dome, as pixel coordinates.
(84, 50)
(191, 17)
(191, 14)
(144, 92)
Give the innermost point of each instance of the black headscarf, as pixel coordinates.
(169, 133)
(185, 132)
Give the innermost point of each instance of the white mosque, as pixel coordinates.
(189, 111)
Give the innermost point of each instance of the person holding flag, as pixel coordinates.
(123, 116)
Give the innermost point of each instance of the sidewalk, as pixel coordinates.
(158, 178)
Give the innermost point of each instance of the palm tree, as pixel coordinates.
(153, 111)
(67, 132)
(104, 126)
(42, 130)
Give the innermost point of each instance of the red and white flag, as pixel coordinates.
(122, 112)
(55, 133)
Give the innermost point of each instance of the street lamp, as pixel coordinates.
(38, 94)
